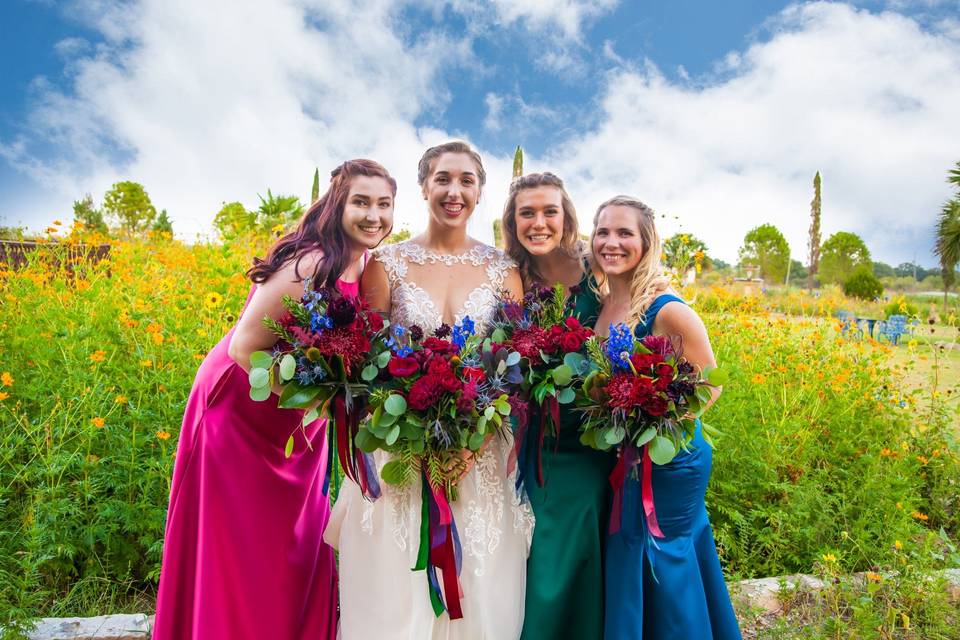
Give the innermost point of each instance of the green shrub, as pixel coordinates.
(863, 285)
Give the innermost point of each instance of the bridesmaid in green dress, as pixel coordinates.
(564, 597)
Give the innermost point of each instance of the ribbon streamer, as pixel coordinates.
(357, 465)
(440, 550)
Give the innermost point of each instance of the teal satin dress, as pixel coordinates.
(564, 596)
(688, 598)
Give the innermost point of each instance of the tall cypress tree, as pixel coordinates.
(814, 242)
(315, 192)
(518, 162)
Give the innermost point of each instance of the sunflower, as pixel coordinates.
(213, 299)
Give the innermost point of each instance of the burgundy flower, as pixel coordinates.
(659, 344)
(375, 320)
(424, 392)
(656, 405)
(468, 396)
(402, 367)
(442, 347)
(342, 311)
(571, 341)
(442, 331)
(416, 333)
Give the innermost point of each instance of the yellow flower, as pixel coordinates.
(120, 399)
(759, 378)
(146, 363)
(98, 422)
(897, 545)
(829, 557)
(213, 299)
(4, 395)
(873, 577)
(157, 338)
(922, 517)
(153, 327)
(57, 223)
(163, 435)
(6, 379)
(98, 356)
(277, 228)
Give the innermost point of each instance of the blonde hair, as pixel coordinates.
(649, 280)
(570, 242)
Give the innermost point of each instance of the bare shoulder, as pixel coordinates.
(676, 317)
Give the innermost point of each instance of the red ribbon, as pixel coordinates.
(618, 477)
(443, 555)
(649, 510)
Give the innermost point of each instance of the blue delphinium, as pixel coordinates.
(462, 331)
(620, 346)
(319, 322)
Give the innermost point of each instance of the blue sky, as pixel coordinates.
(717, 114)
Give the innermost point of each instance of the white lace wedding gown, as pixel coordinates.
(380, 596)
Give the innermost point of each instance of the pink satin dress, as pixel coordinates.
(243, 554)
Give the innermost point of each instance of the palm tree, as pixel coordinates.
(947, 245)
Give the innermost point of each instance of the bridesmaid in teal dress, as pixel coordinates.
(669, 587)
(564, 595)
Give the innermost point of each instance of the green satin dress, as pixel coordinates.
(564, 597)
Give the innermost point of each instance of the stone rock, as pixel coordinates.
(766, 594)
(129, 626)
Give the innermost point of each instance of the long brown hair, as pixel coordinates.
(569, 241)
(321, 228)
(425, 168)
(648, 280)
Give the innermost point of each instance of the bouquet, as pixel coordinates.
(549, 341)
(437, 400)
(643, 397)
(330, 346)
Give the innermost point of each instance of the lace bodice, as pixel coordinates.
(411, 304)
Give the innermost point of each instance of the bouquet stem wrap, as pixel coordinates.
(357, 465)
(628, 459)
(440, 550)
(550, 407)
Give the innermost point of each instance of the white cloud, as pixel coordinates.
(205, 102)
(869, 100)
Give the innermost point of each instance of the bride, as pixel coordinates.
(440, 276)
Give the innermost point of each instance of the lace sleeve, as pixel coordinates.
(498, 267)
(393, 263)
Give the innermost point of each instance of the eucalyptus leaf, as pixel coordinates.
(646, 436)
(259, 393)
(615, 435)
(562, 375)
(387, 419)
(716, 376)
(395, 404)
(288, 450)
(310, 416)
(498, 335)
(261, 360)
(662, 450)
(476, 441)
(369, 372)
(489, 412)
(288, 367)
(392, 436)
(566, 395)
(383, 359)
(259, 378)
(513, 358)
(575, 361)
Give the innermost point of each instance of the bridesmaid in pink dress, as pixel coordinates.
(243, 554)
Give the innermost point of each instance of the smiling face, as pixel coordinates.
(617, 244)
(368, 211)
(539, 219)
(452, 189)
